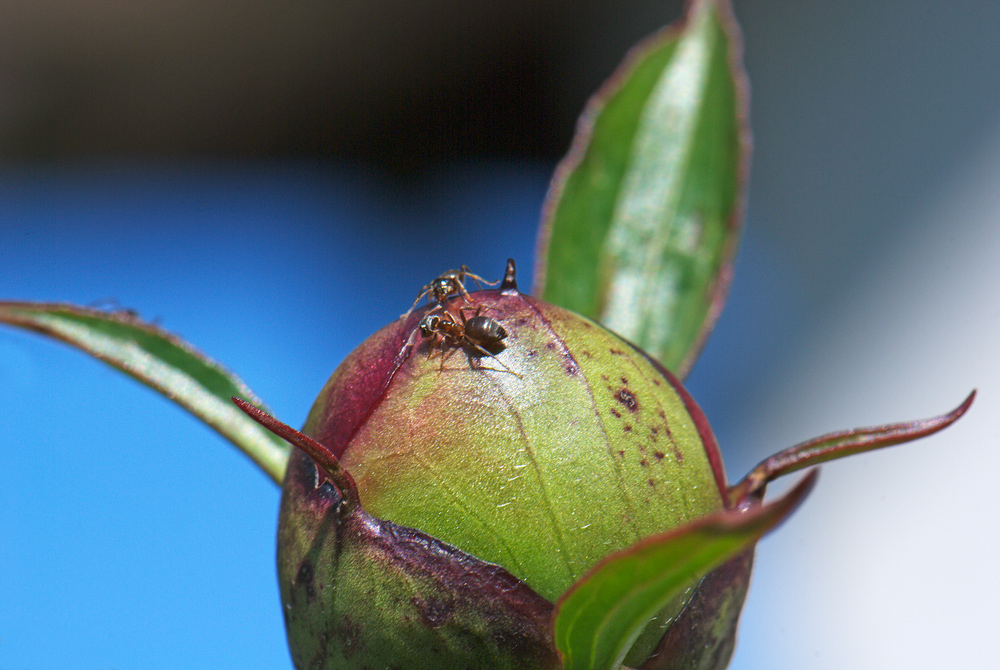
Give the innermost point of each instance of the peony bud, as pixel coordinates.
(470, 462)
(560, 445)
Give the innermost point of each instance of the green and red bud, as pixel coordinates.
(565, 446)
(449, 490)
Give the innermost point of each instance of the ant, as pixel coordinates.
(448, 284)
(480, 333)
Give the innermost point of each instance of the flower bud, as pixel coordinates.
(505, 443)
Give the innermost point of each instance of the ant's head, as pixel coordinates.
(429, 324)
(445, 286)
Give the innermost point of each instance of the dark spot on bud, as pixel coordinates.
(604, 377)
(320, 658)
(326, 491)
(588, 354)
(587, 324)
(656, 381)
(532, 353)
(571, 367)
(627, 398)
(304, 578)
(510, 636)
(621, 452)
(616, 352)
(627, 428)
(644, 463)
(349, 634)
(434, 613)
(550, 346)
(616, 413)
(678, 455)
(651, 483)
(659, 455)
(625, 381)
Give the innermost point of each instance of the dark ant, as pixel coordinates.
(448, 284)
(480, 333)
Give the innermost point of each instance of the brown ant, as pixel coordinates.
(479, 333)
(448, 284)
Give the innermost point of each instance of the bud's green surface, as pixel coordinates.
(562, 446)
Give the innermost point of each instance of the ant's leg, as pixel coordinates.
(423, 292)
(445, 356)
(474, 362)
(436, 343)
(479, 280)
(451, 314)
(465, 319)
(462, 291)
(491, 355)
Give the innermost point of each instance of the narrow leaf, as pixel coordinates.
(643, 215)
(837, 445)
(599, 618)
(162, 361)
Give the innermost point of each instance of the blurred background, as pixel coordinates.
(274, 182)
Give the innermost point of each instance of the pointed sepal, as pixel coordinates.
(837, 445)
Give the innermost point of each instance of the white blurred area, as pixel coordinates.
(893, 561)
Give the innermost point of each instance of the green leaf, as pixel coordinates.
(599, 617)
(643, 215)
(163, 362)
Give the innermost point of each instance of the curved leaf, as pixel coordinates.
(599, 618)
(162, 361)
(642, 218)
(837, 445)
